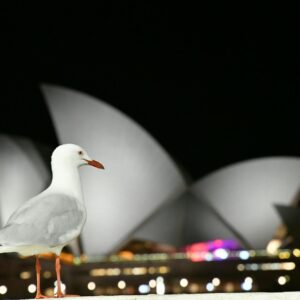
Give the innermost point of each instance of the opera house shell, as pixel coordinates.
(143, 194)
(139, 176)
(23, 173)
(235, 202)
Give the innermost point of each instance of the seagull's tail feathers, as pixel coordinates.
(5, 246)
(7, 240)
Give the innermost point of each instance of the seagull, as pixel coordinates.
(52, 219)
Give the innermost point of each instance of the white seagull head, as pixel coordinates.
(73, 155)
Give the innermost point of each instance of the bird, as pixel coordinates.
(52, 219)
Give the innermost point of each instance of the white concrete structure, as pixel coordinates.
(23, 173)
(222, 205)
(139, 177)
(235, 202)
(244, 195)
(183, 221)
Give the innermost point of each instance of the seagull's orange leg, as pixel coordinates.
(60, 294)
(38, 295)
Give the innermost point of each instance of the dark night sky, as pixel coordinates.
(211, 87)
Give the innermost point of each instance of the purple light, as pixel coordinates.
(213, 245)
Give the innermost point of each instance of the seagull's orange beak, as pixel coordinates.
(95, 163)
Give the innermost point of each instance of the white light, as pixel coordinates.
(288, 266)
(210, 287)
(160, 286)
(184, 282)
(244, 254)
(249, 279)
(221, 253)
(144, 289)
(91, 285)
(31, 288)
(216, 281)
(273, 246)
(246, 286)
(63, 287)
(152, 283)
(121, 284)
(282, 280)
(3, 289)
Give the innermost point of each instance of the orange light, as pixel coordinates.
(128, 255)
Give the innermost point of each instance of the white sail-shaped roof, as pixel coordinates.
(244, 195)
(23, 174)
(184, 221)
(139, 174)
(166, 224)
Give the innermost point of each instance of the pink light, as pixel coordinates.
(199, 251)
(218, 243)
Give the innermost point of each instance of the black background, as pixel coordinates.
(213, 85)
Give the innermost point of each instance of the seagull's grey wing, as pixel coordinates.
(52, 219)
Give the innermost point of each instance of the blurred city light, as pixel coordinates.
(121, 284)
(160, 286)
(32, 288)
(3, 290)
(216, 281)
(144, 289)
(25, 275)
(91, 285)
(210, 287)
(183, 282)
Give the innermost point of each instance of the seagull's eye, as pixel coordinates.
(80, 152)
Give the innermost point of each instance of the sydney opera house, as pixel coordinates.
(150, 229)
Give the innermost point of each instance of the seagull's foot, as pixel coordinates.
(65, 296)
(59, 295)
(40, 296)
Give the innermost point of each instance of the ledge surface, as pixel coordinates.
(216, 296)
